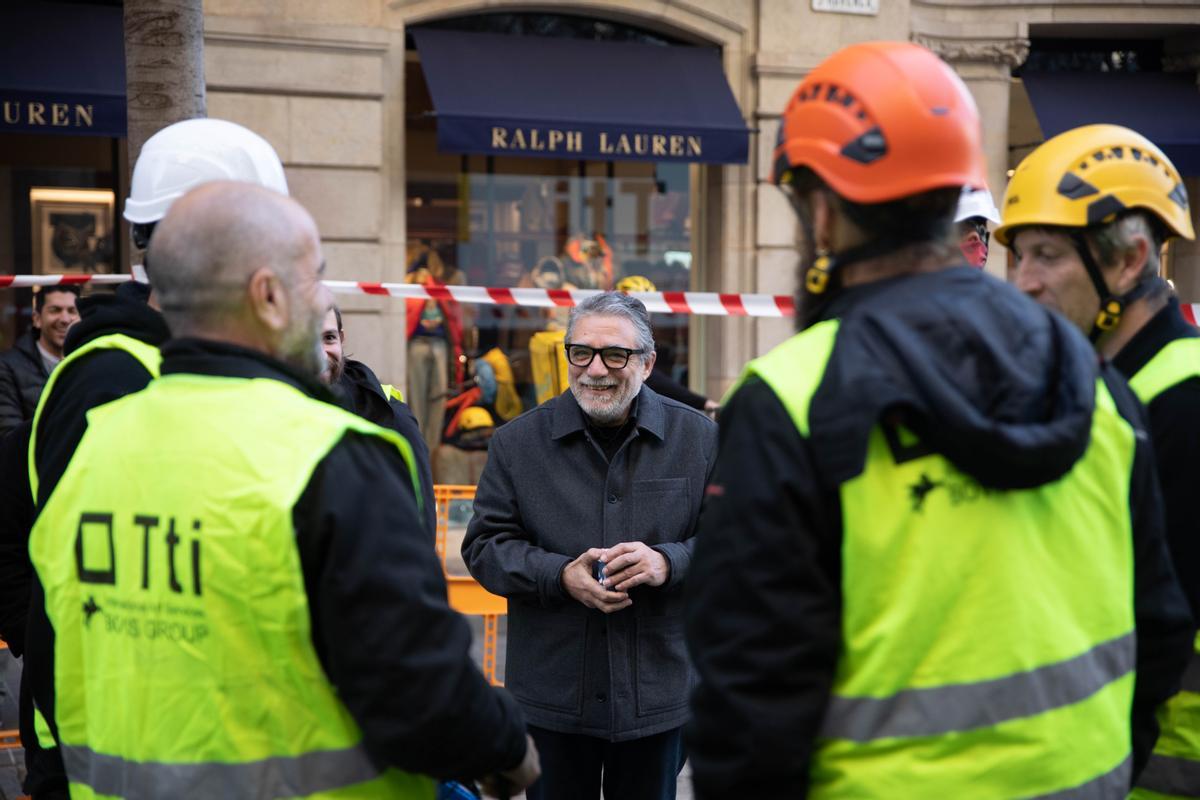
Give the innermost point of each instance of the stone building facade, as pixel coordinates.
(325, 83)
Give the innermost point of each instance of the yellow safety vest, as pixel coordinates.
(1174, 769)
(987, 636)
(184, 662)
(146, 354)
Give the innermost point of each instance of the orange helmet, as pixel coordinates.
(879, 121)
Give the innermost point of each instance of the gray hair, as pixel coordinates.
(616, 304)
(1117, 238)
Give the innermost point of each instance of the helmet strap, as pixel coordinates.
(1112, 306)
(817, 277)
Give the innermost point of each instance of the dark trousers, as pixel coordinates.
(45, 777)
(572, 766)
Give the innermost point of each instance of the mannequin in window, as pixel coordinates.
(435, 342)
(589, 262)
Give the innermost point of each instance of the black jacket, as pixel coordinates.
(397, 654)
(22, 376)
(547, 494)
(359, 391)
(95, 379)
(85, 384)
(996, 384)
(99, 377)
(1175, 428)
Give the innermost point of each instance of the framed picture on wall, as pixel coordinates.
(72, 230)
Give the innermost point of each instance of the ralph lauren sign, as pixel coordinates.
(534, 140)
(88, 115)
(580, 100)
(588, 142)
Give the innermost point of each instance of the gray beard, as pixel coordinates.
(303, 352)
(606, 413)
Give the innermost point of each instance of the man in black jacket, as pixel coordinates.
(82, 384)
(102, 366)
(607, 472)
(25, 368)
(931, 562)
(1103, 274)
(359, 391)
(238, 269)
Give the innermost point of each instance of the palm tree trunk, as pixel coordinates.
(164, 66)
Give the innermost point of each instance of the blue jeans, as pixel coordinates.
(573, 766)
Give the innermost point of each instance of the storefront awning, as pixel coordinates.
(1162, 106)
(62, 69)
(577, 99)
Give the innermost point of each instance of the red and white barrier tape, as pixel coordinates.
(709, 303)
(705, 303)
(24, 281)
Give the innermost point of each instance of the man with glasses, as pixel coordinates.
(584, 520)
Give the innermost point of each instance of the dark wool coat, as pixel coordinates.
(547, 495)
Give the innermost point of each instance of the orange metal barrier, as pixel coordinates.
(454, 509)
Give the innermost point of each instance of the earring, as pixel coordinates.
(816, 279)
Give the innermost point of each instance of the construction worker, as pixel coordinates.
(243, 595)
(359, 391)
(975, 210)
(113, 351)
(931, 561)
(1086, 215)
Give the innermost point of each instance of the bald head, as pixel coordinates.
(238, 263)
(214, 239)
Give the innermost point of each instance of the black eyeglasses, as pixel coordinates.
(580, 355)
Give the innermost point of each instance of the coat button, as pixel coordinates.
(612, 498)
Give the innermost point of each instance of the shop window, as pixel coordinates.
(58, 214)
(533, 222)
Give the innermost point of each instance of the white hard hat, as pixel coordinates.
(195, 151)
(976, 203)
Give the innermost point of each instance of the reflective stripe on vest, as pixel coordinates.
(392, 393)
(1174, 768)
(184, 660)
(146, 354)
(954, 678)
(304, 775)
(968, 706)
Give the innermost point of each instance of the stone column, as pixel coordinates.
(984, 57)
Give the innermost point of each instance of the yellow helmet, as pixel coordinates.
(1087, 176)
(474, 418)
(635, 283)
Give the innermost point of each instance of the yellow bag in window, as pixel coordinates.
(549, 364)
(508, 402)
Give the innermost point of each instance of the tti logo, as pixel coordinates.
(920, 490)
(89, 609)
(959, 490)
(94, 541)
